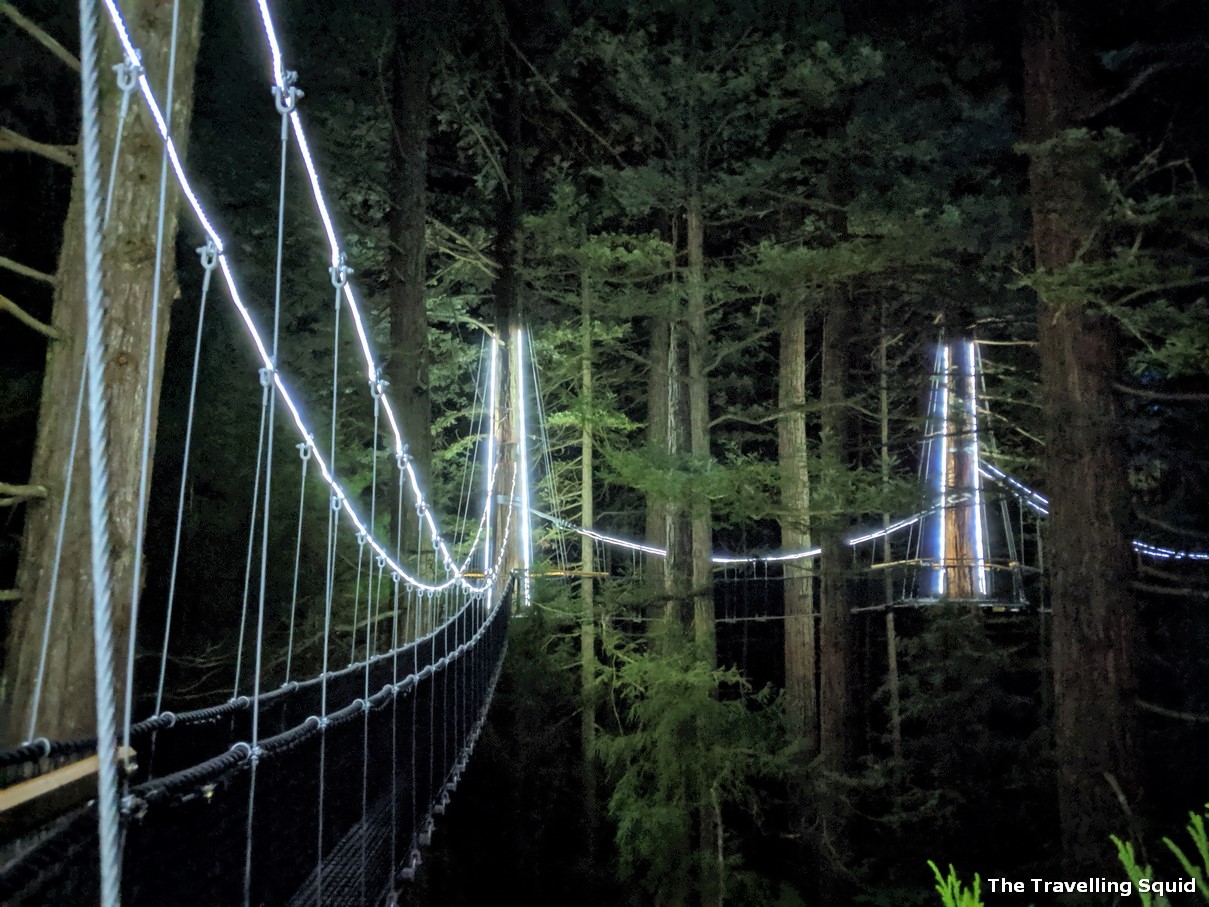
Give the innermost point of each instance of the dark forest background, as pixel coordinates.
(715, 203)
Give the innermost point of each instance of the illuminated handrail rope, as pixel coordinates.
(1040, 503)
(455, 570)
(655, 550)
(281, 80)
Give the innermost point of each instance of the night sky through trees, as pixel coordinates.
(735, 233)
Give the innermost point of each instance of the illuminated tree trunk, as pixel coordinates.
(801, 693)
(1094, 619)
(68, 697)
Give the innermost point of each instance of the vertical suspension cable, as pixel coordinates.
(140, 513)
(108, 820)
(304, 452)
(127, 73)
(247, 576)
(285, 100)
(489, 473)
(526, 525)
(57, 559)
(209, 260)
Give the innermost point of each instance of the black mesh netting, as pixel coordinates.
(361, 790)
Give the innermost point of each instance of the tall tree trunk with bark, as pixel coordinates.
(835, 629)
(697, 347)
(801, 691)
(1094, 620)
(68, 692)
(409, 353)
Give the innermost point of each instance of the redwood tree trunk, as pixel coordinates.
(697, 343)
(1089, 562)
(801, 693)
(68, 697)
(409, 352)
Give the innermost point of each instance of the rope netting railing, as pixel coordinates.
(328, 830)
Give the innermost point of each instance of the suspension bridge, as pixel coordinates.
(325, 788)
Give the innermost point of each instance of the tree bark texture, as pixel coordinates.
(835, 632)
(1094, 619)
(409, 352)
(697, 342)
(801, 691)
(68, 697)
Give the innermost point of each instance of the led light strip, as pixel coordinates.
(340, 498)
(1040, 503)
(371, 367)
(980, 553)
(618, 542)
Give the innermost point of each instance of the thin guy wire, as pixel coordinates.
(140, 514)
(247, 576)
(305, 453)
(268, 500)
(58, 557)
(126, 72)
(236, 299)
(108, 819)
(208, 259)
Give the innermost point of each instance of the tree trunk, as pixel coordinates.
(68, 693)
(834, 628)
(1094, 620)
(883, 376)
(657, 408)
(409, 352)
(801, 693)
(697, 346)
(587, 635)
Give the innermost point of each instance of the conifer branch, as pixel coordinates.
(10, 595)
(60, 154)
(41, 36)
(7, 305)
(26, 271)
(566, 106)
(1160, 395)
(1172, 713)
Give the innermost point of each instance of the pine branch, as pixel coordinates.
(1172, 713)
(40, 35)
(1171, 590)
(26, 271)
(1160, 395)
(60, 154)
(10, 595)
(567, 106)
(23, 492)
(1170, 527)
(7, 305)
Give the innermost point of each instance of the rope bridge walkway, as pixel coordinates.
(324, 790)
(321, 790)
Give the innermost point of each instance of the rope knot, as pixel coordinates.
(340, 271)
(208, 254)
(286, 95)
(128, 72)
